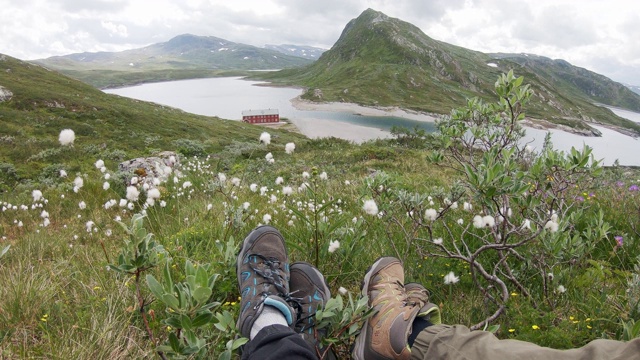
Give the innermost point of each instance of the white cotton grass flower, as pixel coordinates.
(268, 157)
(78, 182)
(82, 205)
(67, 137)
(430, 214)
(265, 138)
(253, 187)
(333, 246)
(550, 276)
(460, 221)
(209, 207)
(246, 205)
(235, 181)
(305, 175)
(134, 180)
(370, 207)
(467, 206)
(63, 173)
(153, 193)
(287, 190)
(37, 195)
(266, 218)
(44, 214)
(89, 225)
(289, 148)
(343, 291)
(279, 180)
(46, 222)
(437, 241)
(107, 176)
(526, 224)
(106, 185)
(263, 190)
(552, 226)
(99, 164)
(478, 222)
(451, 278)
(488, 221)
(324, 176)
(222, 177)
(163, 203)
(132, 193)
(186, 184)
(561, 289)
(123, 203)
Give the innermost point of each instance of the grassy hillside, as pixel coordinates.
(384, 61)
(75, 280)
(106, 126)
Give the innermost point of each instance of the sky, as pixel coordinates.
(602, 36)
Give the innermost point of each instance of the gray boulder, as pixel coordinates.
(159, 166)
(5, 94)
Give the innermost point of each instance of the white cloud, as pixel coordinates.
(598, 35)
(115, 29)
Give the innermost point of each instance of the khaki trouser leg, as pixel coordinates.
(444, 342)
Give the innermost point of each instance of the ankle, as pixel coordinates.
(269, 316)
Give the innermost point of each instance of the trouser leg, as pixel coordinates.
(278, 342)
(458, 342)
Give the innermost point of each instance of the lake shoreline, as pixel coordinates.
(302, 104)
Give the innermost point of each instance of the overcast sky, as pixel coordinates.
(602, 36)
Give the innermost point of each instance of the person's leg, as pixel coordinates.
(266, 317)
(278, 342)
(384, 335)
(458, 342)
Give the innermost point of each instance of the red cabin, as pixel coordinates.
(261, 116)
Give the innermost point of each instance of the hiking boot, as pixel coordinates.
(384, 335)
(309, 292)
(419, 296)
(263, 277)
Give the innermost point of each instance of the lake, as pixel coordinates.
(228, 97)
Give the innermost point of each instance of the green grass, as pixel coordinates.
(63, 303)
(59, 300)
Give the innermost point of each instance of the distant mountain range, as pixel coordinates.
(305, 52)
(184, 56)
(383, 61)
(634, 88)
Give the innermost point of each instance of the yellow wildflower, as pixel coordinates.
(512, 330)
(535, 327)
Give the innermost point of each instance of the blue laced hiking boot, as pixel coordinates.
(309, 292)
(263, 277)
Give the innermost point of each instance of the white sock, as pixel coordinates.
(270, 316)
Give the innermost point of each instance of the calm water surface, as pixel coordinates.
(228, 97)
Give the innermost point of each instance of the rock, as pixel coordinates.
(5, 94)
(160, 166)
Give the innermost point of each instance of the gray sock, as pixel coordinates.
(270, 316)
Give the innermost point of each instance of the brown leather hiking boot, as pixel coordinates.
(419, 296)
(384, 335)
